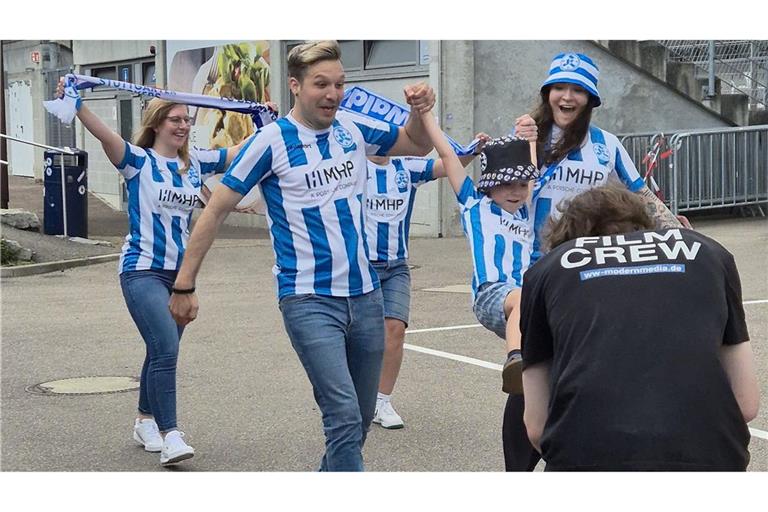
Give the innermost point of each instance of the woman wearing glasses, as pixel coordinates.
(163, 177)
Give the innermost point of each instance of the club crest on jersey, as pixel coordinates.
(402, 180)
(343, 137)
(194, 177)
(602, 154)
(569, 62)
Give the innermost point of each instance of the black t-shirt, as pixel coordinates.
(633, 325)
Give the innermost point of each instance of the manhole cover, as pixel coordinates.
(85, 386)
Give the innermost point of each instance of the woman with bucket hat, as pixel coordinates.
(574, 156)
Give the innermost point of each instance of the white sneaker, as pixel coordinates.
(175, 449)
(146, 433)
(386, 415)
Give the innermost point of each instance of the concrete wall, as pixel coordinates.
(98, 52)
(508, 75)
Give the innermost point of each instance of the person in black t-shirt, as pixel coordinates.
(635, 346)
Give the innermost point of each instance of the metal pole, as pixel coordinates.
(62, 152)
(68, 151)
(64, 197)
(711, 83)
(4, 195)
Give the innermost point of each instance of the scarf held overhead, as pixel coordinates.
(365, 102)
(66, 108)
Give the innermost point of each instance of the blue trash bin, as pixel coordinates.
(76, 189)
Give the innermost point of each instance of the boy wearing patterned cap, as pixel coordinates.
(496, 221)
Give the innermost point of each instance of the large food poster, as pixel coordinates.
(224, 69)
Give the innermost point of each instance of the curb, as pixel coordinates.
(52, 266)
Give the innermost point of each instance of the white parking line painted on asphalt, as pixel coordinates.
(455, 357)
(747, 302)
(450, 328)
(493, 366)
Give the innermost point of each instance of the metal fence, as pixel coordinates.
(56, 132)
(704, 169)
(742, 65)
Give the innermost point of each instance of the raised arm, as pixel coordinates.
(438, 171)
(113, 144)
(184, 306)
(451, 164)
(412, 139)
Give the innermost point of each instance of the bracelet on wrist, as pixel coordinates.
(183, 291)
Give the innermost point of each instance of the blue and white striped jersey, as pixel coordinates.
(160, 204)
(389, 204)
(602, 159)
(313, 183)
(500, 241)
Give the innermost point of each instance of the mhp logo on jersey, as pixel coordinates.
(343, 137)
(402, 180)
(601, 152)
(570, 62)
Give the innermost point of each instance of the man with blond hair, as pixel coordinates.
(311, 167)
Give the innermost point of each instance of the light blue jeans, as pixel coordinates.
(340, 342)
(147, 293)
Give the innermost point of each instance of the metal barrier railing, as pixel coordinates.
(704, 169)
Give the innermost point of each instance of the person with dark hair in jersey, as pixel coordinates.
(574, 155)
(636, 354)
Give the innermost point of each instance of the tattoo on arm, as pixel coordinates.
(658, 210)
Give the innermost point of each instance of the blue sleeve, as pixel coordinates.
(421, 170)
(212, 160)
(132, 162)
(626, 169)
(252, 164)
(467, 192)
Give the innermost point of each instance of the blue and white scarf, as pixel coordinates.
(367, 103)
(66, 108)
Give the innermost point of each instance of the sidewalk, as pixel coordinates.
(104, 223)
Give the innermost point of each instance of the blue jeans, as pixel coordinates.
(340, 342)
(147, 293)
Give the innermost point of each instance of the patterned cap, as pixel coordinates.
(505, 160)
(574, 68)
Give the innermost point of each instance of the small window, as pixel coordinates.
(126, 119)
(125, 72)
(351, 55)
(148, 74)
(380, 54)
(108, 73)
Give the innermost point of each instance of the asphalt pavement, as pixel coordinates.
(244, 399)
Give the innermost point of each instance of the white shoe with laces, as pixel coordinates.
(175, 449)
(386, 415)
(146, 433)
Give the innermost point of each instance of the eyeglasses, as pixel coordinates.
(176, 120)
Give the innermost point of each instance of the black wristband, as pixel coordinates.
(178, 291)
